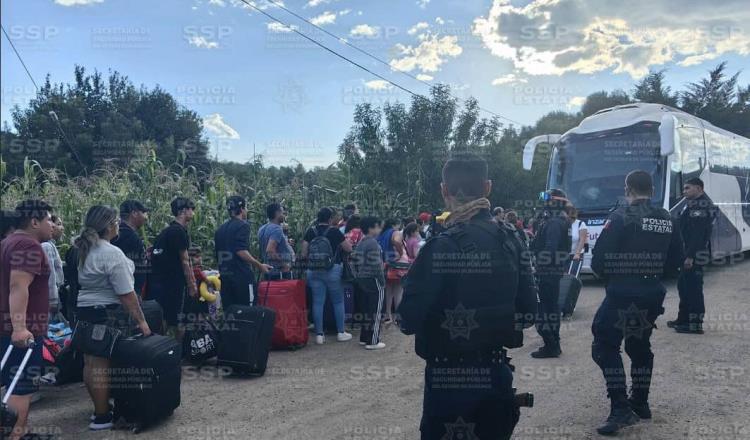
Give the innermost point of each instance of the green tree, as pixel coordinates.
(601, 100)
(103, 121)
(652, 89)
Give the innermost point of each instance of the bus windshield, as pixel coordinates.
(591, 168)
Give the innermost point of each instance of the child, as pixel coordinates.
(194, 308)
(369, 283)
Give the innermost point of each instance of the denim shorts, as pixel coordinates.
(28, 383)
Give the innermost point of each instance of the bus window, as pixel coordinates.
(730, 155)
(693, 152)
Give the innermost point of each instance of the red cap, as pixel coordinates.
(425, 216)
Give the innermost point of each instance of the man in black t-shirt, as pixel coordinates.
(232, 241)
(172, 272)
(327, 281)
(133, 215)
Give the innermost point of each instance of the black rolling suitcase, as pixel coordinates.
(246, 339)
(153, 313)
(570, 288)
(145, 380)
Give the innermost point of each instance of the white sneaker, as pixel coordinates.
(377, 346)
(320, 339)
(362, 343)
(343, 337)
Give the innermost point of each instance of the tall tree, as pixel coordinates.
(103, 121)
(713, 98)
(652, 89)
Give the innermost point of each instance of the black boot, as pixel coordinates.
(639, 403)
(675, 323)
(696, 329)
(620, 416)
(547, 351)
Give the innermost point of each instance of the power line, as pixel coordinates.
(376, 58)
(52, 114)
(349, 60)
(328, 49)
(19, 58)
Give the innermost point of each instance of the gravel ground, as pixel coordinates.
(700, 387)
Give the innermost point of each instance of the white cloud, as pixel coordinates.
(425, 77)
(364, 30)
(418, 27)
(202, 42)
(576, 101)
(77, 2)
(429, 55)
(314, 3)
(510, 78)
(276, 27)
(344, 12)
(587, 36)
(423, 3)
(440, 21)
(262, 5)
(378, 84)
(323, 19)
(217, 3)
(214, 124)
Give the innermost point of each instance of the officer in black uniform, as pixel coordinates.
(551, 248)
(637, 246)
(467, 297)
(696, 220)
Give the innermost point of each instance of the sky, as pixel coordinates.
(262, 89)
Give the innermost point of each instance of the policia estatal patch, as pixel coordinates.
(658, 225)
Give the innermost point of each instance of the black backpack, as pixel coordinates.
(320, 255)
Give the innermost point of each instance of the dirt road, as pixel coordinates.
(339, 391)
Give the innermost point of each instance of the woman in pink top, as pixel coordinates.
(412, 240)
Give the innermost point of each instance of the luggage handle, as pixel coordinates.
(578, 270)
(17, 377)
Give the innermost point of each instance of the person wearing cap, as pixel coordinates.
(232, 241)
(133, 215)
(171, 271)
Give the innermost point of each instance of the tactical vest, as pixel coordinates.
(477, 312)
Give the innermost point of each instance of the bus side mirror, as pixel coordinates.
(530, 147)
(669, 139)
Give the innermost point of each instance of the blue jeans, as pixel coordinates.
(322, 282)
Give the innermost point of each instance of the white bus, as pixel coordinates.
(590, 162)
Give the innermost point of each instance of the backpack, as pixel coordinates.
(321, 254)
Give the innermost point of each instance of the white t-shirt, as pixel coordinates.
(575, 229)
(105, 275)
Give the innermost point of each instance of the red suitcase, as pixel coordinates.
(287, 299)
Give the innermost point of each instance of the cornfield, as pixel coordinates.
(156, 184)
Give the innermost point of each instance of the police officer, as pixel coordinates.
(551, 248)
(637, 246)
(696, 221)
(466, 297)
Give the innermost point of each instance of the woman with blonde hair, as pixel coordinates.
(105, 277)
